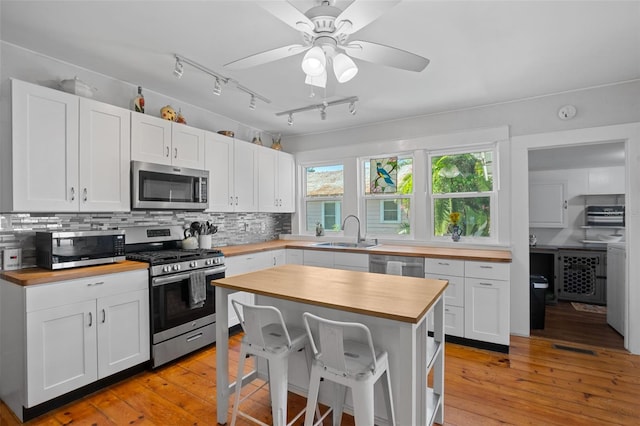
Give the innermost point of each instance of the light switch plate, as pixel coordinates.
(12, 259)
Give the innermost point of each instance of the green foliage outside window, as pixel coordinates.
(467, 180)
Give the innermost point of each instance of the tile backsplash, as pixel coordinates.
(17, 230)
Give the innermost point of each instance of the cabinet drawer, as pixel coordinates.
(454, 294)
(318, 258)
(352, 260)
(454, 321)
(490, 270)
(444, 267)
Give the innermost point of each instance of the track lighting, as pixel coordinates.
(179, 69)
(217, 87)
(219, 79)
(322, 107)
(352, 108)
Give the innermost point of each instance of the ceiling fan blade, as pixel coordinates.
(386, 55)
(362, 13)
(288, 14)
(266, 56)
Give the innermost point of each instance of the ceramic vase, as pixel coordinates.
(455, 233)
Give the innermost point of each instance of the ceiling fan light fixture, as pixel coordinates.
(318, 80)
(344, 68)
(314, 62)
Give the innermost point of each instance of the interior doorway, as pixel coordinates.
(585, 175)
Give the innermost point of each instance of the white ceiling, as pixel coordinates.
(575, 157)
(481, 52)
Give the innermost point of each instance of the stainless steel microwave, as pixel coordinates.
(163, 187)
(69, 249)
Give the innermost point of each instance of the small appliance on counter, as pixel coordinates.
(605, 216)
(70, 249)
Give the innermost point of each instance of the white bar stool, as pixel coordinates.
(267, 336)
(347, 363)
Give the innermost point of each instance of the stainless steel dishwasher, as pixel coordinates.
(397, 265)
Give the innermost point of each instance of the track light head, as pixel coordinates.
(352, 108)
(252, 102)
(290, 120)
(179, 68)
(217, 87)
(323, 112)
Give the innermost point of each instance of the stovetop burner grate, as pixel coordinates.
(168, 256)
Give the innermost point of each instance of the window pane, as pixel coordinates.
(382, 216)
(405, 176)
(475, 217)
(325, 181)
(328, 213)
(468, 172)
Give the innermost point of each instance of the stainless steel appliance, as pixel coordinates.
(159, 186)
(396, 265)
(69, 249)
(178, 327)
(605, 216)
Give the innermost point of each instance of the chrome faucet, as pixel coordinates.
(359, 240)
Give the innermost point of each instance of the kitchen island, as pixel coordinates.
(394, 308)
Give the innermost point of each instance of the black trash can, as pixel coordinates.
(537, 300)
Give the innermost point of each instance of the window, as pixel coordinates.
(388, 195)
(462, 183)
(323, 192)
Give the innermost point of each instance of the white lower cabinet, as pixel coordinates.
(337, 260)
(295, 257)
(243, 264)
(74, 333)
(452, 271)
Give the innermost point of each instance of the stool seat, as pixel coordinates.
(267, 336)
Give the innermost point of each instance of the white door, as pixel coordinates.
(486, 310)
(105, 146)
(286, 182)
(187, 146)
(150, 139)
(123, 331)
(616, 277)
(245, 163)
(61, 350)
(45, 148)
(268, 180)
(219, 161)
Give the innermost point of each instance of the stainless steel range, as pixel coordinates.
(181, 322)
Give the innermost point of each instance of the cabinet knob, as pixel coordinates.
(175, 152)
(73, 193)
(84, 195)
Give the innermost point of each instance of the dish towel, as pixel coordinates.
(394, 267)
(197, 289)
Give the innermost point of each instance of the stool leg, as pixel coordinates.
(339, 394)
(312, 395)
(243, 355)
(388, 397)
(363, 403)
(278, 379)
(309, 358)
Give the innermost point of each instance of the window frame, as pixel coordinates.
(383, 210)
(323, 199)
(363, 197)
(493, 237)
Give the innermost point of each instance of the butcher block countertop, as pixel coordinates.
(32, 276)
(461, 253)
(359, 292)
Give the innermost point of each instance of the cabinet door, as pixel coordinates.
(150, 139)
(267, 184)
(187, 146)
(245, 172)
(351, 261)
(241, 265)
(123, 331)
(105, 146)
(61, 350)
(45, 148)
(295, 256)
(486, 310)
(547, 205)
(219, 161)
(323, 258)
(286, 182)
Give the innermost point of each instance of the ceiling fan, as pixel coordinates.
(325, 30)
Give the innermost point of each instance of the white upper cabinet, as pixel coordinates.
(548, 205)
(233, 174)
(276, 182)
(69, 153)
(155, 140)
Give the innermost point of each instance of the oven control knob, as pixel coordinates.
(209, 262)
(166, 268)
(176, 267)
(193, 264)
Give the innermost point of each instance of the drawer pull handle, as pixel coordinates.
(443, 263)
(486, 284)
(486, 267)
(194, 337)
(104, 316)
(90, 319)
(93, 284)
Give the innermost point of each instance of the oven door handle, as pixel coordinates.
(158, 281)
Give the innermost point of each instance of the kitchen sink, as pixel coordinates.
(334, 245)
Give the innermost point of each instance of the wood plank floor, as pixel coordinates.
(563, 322)
(535, 384)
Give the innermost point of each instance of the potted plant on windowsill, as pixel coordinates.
(454, 218)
